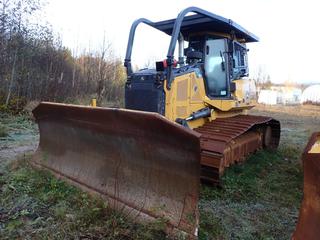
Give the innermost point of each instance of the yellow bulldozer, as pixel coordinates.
(184, 120)
(206, 89)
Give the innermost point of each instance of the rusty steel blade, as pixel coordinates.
(140, 162)
(308, 227)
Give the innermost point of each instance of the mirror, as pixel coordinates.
(223, 68)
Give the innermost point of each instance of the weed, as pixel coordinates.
(3, 131)
(15, 105)
(210, 226)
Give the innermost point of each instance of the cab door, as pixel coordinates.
(216, 68)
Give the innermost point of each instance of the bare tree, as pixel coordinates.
(262, 78)
(34, 64)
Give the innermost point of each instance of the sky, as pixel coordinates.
(288, 30)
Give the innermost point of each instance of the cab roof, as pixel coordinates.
(198, 23)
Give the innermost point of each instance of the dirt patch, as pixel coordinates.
(297, 122)
(11, 153)
(22, 138)
(294, 110)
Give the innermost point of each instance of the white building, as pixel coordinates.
(291, 96)
(311, 94)
(268, 97)
(288, 94)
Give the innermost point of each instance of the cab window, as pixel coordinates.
(215, 68)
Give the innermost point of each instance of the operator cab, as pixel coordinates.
(223, 60)
(216, 52)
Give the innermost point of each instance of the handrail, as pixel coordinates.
(127, 61)
(175, 35)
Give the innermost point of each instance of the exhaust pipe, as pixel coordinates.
(181, 50)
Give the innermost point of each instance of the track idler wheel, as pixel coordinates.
(267, 138)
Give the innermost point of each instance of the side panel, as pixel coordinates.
(139, 162)
(185, 97)
(245, 97)
(246, 92)
(188, 95)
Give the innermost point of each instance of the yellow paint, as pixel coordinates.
(185, 97)
(221, 114)
(93, 102)
(315, 147)
(188, 95)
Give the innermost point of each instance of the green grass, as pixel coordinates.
(258, 200)
(16, 128)
(36, 205)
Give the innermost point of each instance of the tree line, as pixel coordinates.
(34, 64)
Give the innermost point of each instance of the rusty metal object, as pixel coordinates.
(308, 227)
(226, 141)
(139, 162)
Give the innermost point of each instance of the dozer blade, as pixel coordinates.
(139, 162)
(308, 227)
